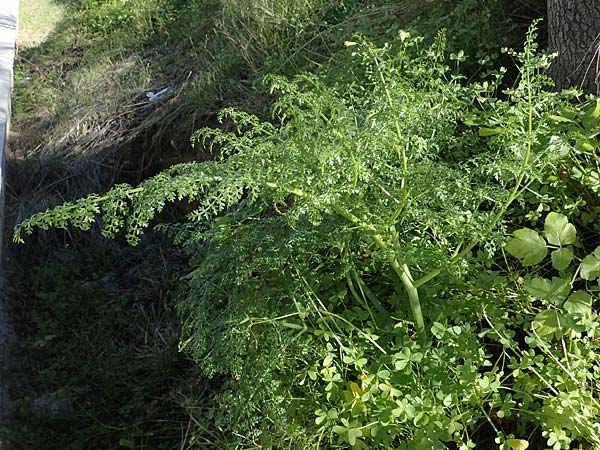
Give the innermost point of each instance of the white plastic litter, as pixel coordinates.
(155, 96)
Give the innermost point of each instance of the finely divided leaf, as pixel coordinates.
(528, 246)
(558, 230)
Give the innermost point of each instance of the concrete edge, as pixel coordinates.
(9, 26)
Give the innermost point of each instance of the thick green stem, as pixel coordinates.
(401, 270)
(413, 298)
(404, 275)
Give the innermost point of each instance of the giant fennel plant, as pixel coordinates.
(387, 155)
(374, 186)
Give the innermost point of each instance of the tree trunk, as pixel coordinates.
(574, 33)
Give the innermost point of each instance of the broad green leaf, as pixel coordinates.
(447, 400)
(584, 146)
(590, 118)
(560, 119)
(353, 434)
(339, 430)
(401, 364)
(596, 112)
(558, 230)
(517, 444)
(579, 303)
(528, 246)
(438, 330)
(472, 121)
(416, 357)
(384, 374)
(590, 266)
(126, 443)
(555, 290)
(484, 131)
(561, 258)
(547, 323)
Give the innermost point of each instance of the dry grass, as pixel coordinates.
(74, 144)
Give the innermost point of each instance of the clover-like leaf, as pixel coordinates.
(590, 266)
(347, 432)
(528, 246)
(558, 230)
(353, 435)
(555, 290)
(516, 444)
(561, 258)
(547, 323)
(579, 303)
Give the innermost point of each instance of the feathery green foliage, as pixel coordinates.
(342, 232)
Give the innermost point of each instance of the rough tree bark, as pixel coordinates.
(574, 33)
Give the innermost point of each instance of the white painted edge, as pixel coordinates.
(9, 27)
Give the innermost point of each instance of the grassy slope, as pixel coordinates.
(114, 370)
(85, 103)
(38, 18)
(81, 121)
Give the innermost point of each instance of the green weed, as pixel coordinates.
(98, 363)
(348, 284)
(348, 237)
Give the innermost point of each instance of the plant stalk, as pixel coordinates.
(401, 271)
